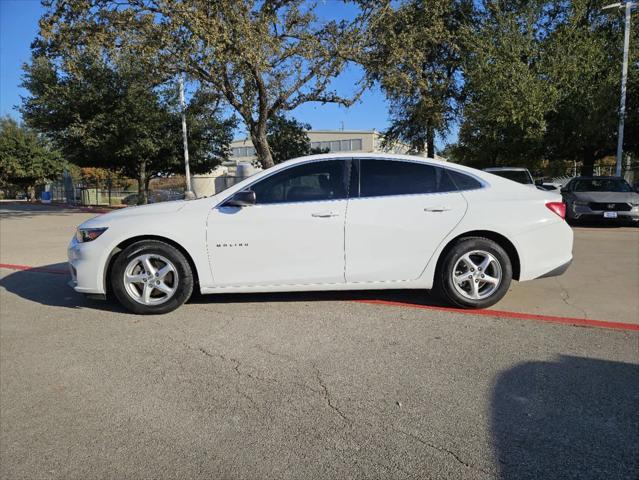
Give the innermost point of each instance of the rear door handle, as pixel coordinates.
(437, 209)
(324, 214)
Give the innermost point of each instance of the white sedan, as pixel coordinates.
(329, 222)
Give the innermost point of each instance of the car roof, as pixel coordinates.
(607, 177)
(497, 169)
(382, 156)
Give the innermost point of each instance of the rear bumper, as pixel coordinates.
(555, 272)
(544, 251)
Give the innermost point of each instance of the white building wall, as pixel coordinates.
(242, 150)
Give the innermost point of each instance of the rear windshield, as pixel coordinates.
(602, 185)
(519, 176)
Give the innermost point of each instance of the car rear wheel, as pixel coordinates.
(151, 277)
(475, 273)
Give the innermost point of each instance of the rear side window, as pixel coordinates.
(463, 181)
(380, 178)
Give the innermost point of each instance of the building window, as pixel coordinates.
(338, 145)
(243, 152)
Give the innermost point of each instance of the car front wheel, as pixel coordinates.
(475, 273)
(151, 277)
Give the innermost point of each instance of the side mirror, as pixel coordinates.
(245, 198)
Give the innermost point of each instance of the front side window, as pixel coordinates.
(309, 182)
(388, 177)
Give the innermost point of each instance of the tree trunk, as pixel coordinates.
(143, 198)
(260, 142)
(147, 181)
(31, 193)
(430, 142)
(588, 164)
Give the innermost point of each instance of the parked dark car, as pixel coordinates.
(155, 196)
(600, 198)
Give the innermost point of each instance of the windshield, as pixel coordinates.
(602, 185)
(519, 176)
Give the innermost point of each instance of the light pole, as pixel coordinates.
(624, 77)
(188, 194)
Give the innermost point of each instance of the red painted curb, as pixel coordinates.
(516, 315)
(584, 322)
(27, 268)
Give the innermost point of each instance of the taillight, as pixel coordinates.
(557, 207)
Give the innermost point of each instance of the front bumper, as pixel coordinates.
(84, 266)
(584, 212)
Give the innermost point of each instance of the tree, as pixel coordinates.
(287, 139)
(542, 82)
(584, 62)
(112, 113)
(26, 159)
(415, 56)
(264, 57)
(507, 95)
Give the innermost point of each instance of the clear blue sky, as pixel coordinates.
(19, 26)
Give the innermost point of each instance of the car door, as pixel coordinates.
(403, 211)
(293, 235)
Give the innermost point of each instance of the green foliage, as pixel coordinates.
(263, 57)
(114, 115)
(26, 159)
(542, 82)
(287, 138)
(415, 55)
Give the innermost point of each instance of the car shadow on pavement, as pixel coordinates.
(48, 285)
(413, 297)
(601, 225)
(571, 418)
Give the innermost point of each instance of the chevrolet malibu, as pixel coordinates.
(329, 222)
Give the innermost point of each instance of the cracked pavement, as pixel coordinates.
(305, 386)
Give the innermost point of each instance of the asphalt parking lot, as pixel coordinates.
(362, 385)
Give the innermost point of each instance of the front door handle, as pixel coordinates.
(436, 209)
(324, 214)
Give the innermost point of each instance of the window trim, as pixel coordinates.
(346, 160)
(482, 182)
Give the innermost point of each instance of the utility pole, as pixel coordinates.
(624, 77)
(188, 194)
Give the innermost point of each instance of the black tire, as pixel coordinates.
(445, 285)
(182, 281)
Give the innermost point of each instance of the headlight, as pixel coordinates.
(83, 235)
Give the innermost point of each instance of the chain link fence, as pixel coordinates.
(67, 191)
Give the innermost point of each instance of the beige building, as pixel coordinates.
(242, 150)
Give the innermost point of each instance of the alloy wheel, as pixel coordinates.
(477, 275)
(150, 279)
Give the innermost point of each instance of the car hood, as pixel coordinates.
(162, 208)
(607, 197)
